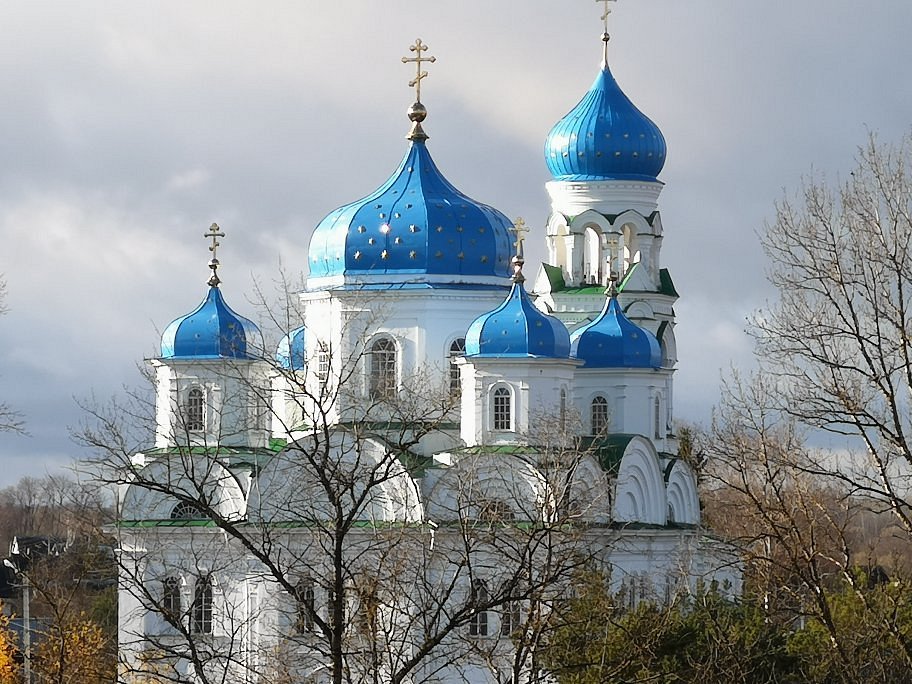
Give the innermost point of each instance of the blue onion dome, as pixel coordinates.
(517, 327)
(605, 137)
(211, 331)
(613, 341)
(290, 354)
(417, 227)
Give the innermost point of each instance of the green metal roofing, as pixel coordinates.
(555, 277)
(666, 285)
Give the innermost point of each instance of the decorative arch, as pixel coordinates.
(288, 489)
(640, 485)
(640, 310)
(683, 502)
(478, 486)
(151, 496)
(582, 492)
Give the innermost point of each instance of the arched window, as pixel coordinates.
(187, 510)
(599, 415)
(306, 603)
(657, 418)
(510, 617)
(592, 256)
(478, 625)
(201, 613)
(195, 413)
(382, 369)
(171, 597)
(457, 349)
(503, 411)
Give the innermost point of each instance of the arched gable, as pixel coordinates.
(174, 480)
(588, 498)
(486, 486)
(288, 489)
(683, 502)
(640, 486)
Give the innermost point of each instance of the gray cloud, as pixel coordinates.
(127, 129)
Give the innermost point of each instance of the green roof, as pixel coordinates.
(555, 277)
(666, 286)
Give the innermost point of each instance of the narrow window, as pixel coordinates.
(323, 365)
(457, 349)
(503, 419)
(658, 418)
(478, 626)
(510, 618)
(195, 410)
(201, 612)
(171, 598)
(306, 604)
(563, 410)
(599, 415)
(383, 369)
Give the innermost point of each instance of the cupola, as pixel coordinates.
(212, 330)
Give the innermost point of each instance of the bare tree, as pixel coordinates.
(343, 552)
(834, 358)
(837, 341)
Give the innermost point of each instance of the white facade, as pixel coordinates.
(378, 500)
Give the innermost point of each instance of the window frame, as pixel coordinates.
(479, 623)
(502, 408)
(201, 609)
(305, 596)
(195, 409)
(455, 350)
(383, 368)
(171, 601)
(599, 415)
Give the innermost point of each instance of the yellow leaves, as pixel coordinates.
(74, 651)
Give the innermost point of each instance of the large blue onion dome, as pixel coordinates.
(517, 328)
(613, 341)
(605, 137)
(290, 354)
(211, 331)
(417, 227)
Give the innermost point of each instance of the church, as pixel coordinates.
(405, 484)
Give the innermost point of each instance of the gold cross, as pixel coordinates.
(519, 227)
(605, 36)
(214, 233)
(415, 83)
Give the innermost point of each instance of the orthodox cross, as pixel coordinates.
(415, 83)
(519, 227)
(214, 232)
(605, 36)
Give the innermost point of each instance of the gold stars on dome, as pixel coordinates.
(214, 232)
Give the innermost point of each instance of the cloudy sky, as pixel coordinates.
(126, 128)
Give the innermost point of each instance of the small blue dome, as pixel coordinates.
(613, 341)
(415, 225)
(517, 328)
(605, 137)
(211, 331)
(290, 354)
